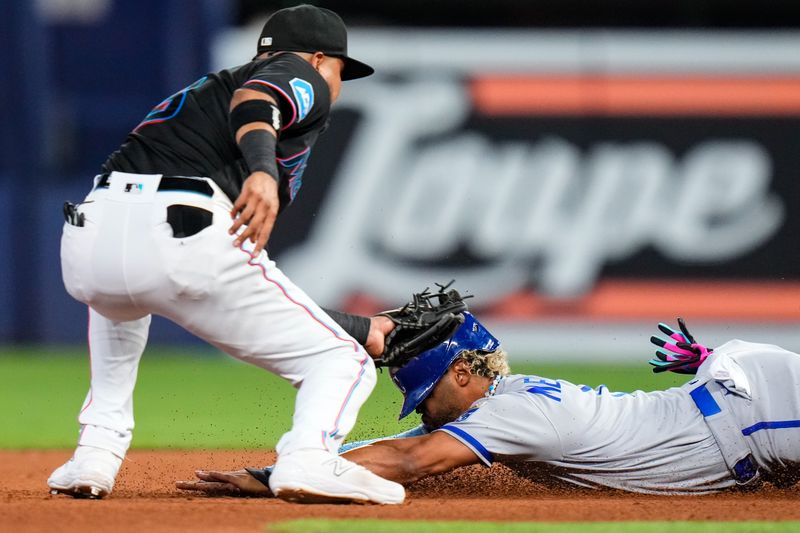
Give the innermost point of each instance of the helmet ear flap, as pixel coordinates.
(417, 377)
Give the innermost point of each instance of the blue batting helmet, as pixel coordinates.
(417, 378)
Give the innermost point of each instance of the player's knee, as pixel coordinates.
(364, 372)
(348, 366)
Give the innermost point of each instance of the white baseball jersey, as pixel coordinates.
(554, 431)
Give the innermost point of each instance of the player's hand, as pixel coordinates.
(234, 483)
(683, 355)
(256, 208)
(379, 327)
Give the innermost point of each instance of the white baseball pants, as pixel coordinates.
(126, 265)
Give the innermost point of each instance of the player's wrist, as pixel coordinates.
(266, 177)
(258, 149)
(381, 325)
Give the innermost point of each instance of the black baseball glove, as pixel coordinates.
(428, 319)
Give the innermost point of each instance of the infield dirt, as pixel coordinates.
(145, 499)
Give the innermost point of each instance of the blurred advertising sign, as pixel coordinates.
(578, 176)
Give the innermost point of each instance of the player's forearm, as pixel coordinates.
(413, 432)
(407, 460)
(389, 459)
(368, 332)
(356, 326)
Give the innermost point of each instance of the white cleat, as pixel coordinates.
(90, 473)
(317, 476)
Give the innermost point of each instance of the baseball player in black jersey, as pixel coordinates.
(176, 225)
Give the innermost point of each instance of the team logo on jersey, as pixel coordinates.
(170, 107)
(303, 95)
(295, 165)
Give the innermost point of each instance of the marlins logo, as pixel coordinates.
(303, 95)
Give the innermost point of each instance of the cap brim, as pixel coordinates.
(354, 69)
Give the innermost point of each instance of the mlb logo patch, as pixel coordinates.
(266, 41)
(134, 188)
(303, 95)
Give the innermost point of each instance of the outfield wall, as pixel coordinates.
(583, 185)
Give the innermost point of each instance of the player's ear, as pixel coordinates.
(317, 59)
(461, 372)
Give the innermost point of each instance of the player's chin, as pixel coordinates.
(429, 422)
(435, 422)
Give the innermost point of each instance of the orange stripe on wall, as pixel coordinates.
(620, 95)
(631, 300)
(744, 301)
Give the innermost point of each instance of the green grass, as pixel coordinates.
(398, 526)
(203, 399)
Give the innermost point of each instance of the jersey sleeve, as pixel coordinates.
(508, 426)
(302, 94)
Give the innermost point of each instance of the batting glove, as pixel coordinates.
(682, 354)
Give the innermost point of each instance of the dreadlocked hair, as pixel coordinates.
(487, 364)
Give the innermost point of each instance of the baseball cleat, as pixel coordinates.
(309, 495)
(90, 473)
(317, 476)
(83, 490)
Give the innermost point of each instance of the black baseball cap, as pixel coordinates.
(307, 28)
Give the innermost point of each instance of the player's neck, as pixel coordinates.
(480, 387)
(491, 385)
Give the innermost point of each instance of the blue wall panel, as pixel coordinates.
(6, 255)
(70, 92)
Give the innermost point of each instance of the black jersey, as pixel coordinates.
(188, 133)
